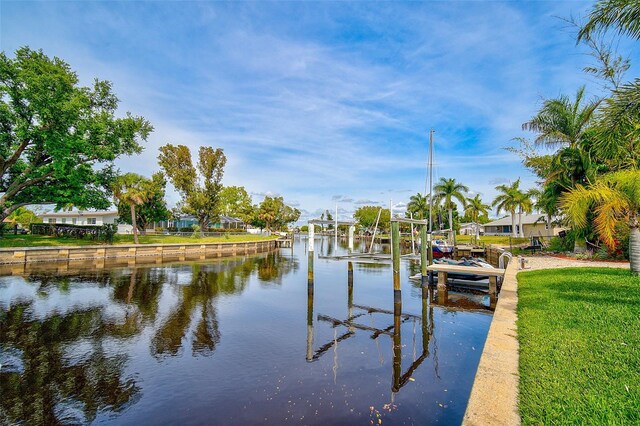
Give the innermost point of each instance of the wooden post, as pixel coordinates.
(493, 286)
(351, 231)
(350, 292)
(395, 254)
(442, 282)
(424, 246)
(397, 353)
(310, 307)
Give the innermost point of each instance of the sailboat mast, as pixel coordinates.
(430, 182)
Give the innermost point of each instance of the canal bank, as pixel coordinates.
(26, 255)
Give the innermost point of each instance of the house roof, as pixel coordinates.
(78, 213)
(528, 219)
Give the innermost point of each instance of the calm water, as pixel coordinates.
(234, 341)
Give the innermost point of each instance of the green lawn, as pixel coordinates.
(493, 239)
(41, 240)
(579, 332)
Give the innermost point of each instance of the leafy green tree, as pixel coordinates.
(614, 198)
(58, 139)
(525, 205)
(446, 190)
(235, 201)
(620, 15)
(200, 194)
(153, 208)
(507, 200)
(329, 217)
(546, 201)
(418, 205)
(475, 208)
(24, 217)
(561, 121)
(367, 215)
(275, 214)
(132, 190)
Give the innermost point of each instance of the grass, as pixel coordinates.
(43, 240)
(493, 239)
(579, 332)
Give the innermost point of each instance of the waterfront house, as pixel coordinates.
(535, 225)
(85, 217)
(469, 228)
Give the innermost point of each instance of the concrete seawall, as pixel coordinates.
(10, 257)
(494, 396)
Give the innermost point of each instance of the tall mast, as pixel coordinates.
(430, 179)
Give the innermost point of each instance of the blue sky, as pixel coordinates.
(323, 102)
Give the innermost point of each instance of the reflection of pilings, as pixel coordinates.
(324, 348)
(397, 353)
(310, 306)
(336, 321)
(351, 231)
(370, 310)
(395, 254)
(423, 256)
(350, 291)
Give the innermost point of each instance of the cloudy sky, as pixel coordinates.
(323, 102)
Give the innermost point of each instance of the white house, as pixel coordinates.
(84, 217)
(469, 228)
(535, 225)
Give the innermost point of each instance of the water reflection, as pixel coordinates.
(62, 372)
(169, 343)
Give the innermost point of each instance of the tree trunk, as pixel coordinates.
(204, 224)
(513, 224)
(133, 223)
(477, 226)
(520, 224)
(549, 230)
(452, 233)
(634, 250)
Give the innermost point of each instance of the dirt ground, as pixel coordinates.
(548, 262)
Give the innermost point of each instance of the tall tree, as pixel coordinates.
(446, 190)
(474, 208)
(235, 201)
(507, 200)
(58, 140)
(275, 214)
(546, 201)
(614, 197)
(199, 186)
(562, 121)
(621, 15)
(367, 215)
(132, 190)
(418, 205)
(153, 208)
(525, 205)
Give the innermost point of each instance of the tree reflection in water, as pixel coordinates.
(62, 367)
(47, 386)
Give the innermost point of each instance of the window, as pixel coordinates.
(91, 221)
(74, 220)
(64, 220)
(52, 220)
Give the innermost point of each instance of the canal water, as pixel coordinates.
(236, 341)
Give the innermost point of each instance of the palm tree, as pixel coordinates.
(546, 202)
(507, 201)
(525, 205)
(131, 189)
(562, 122)
(418, 205)
(446, 190)
(475, 207)
(614, 198)
(622, 15)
